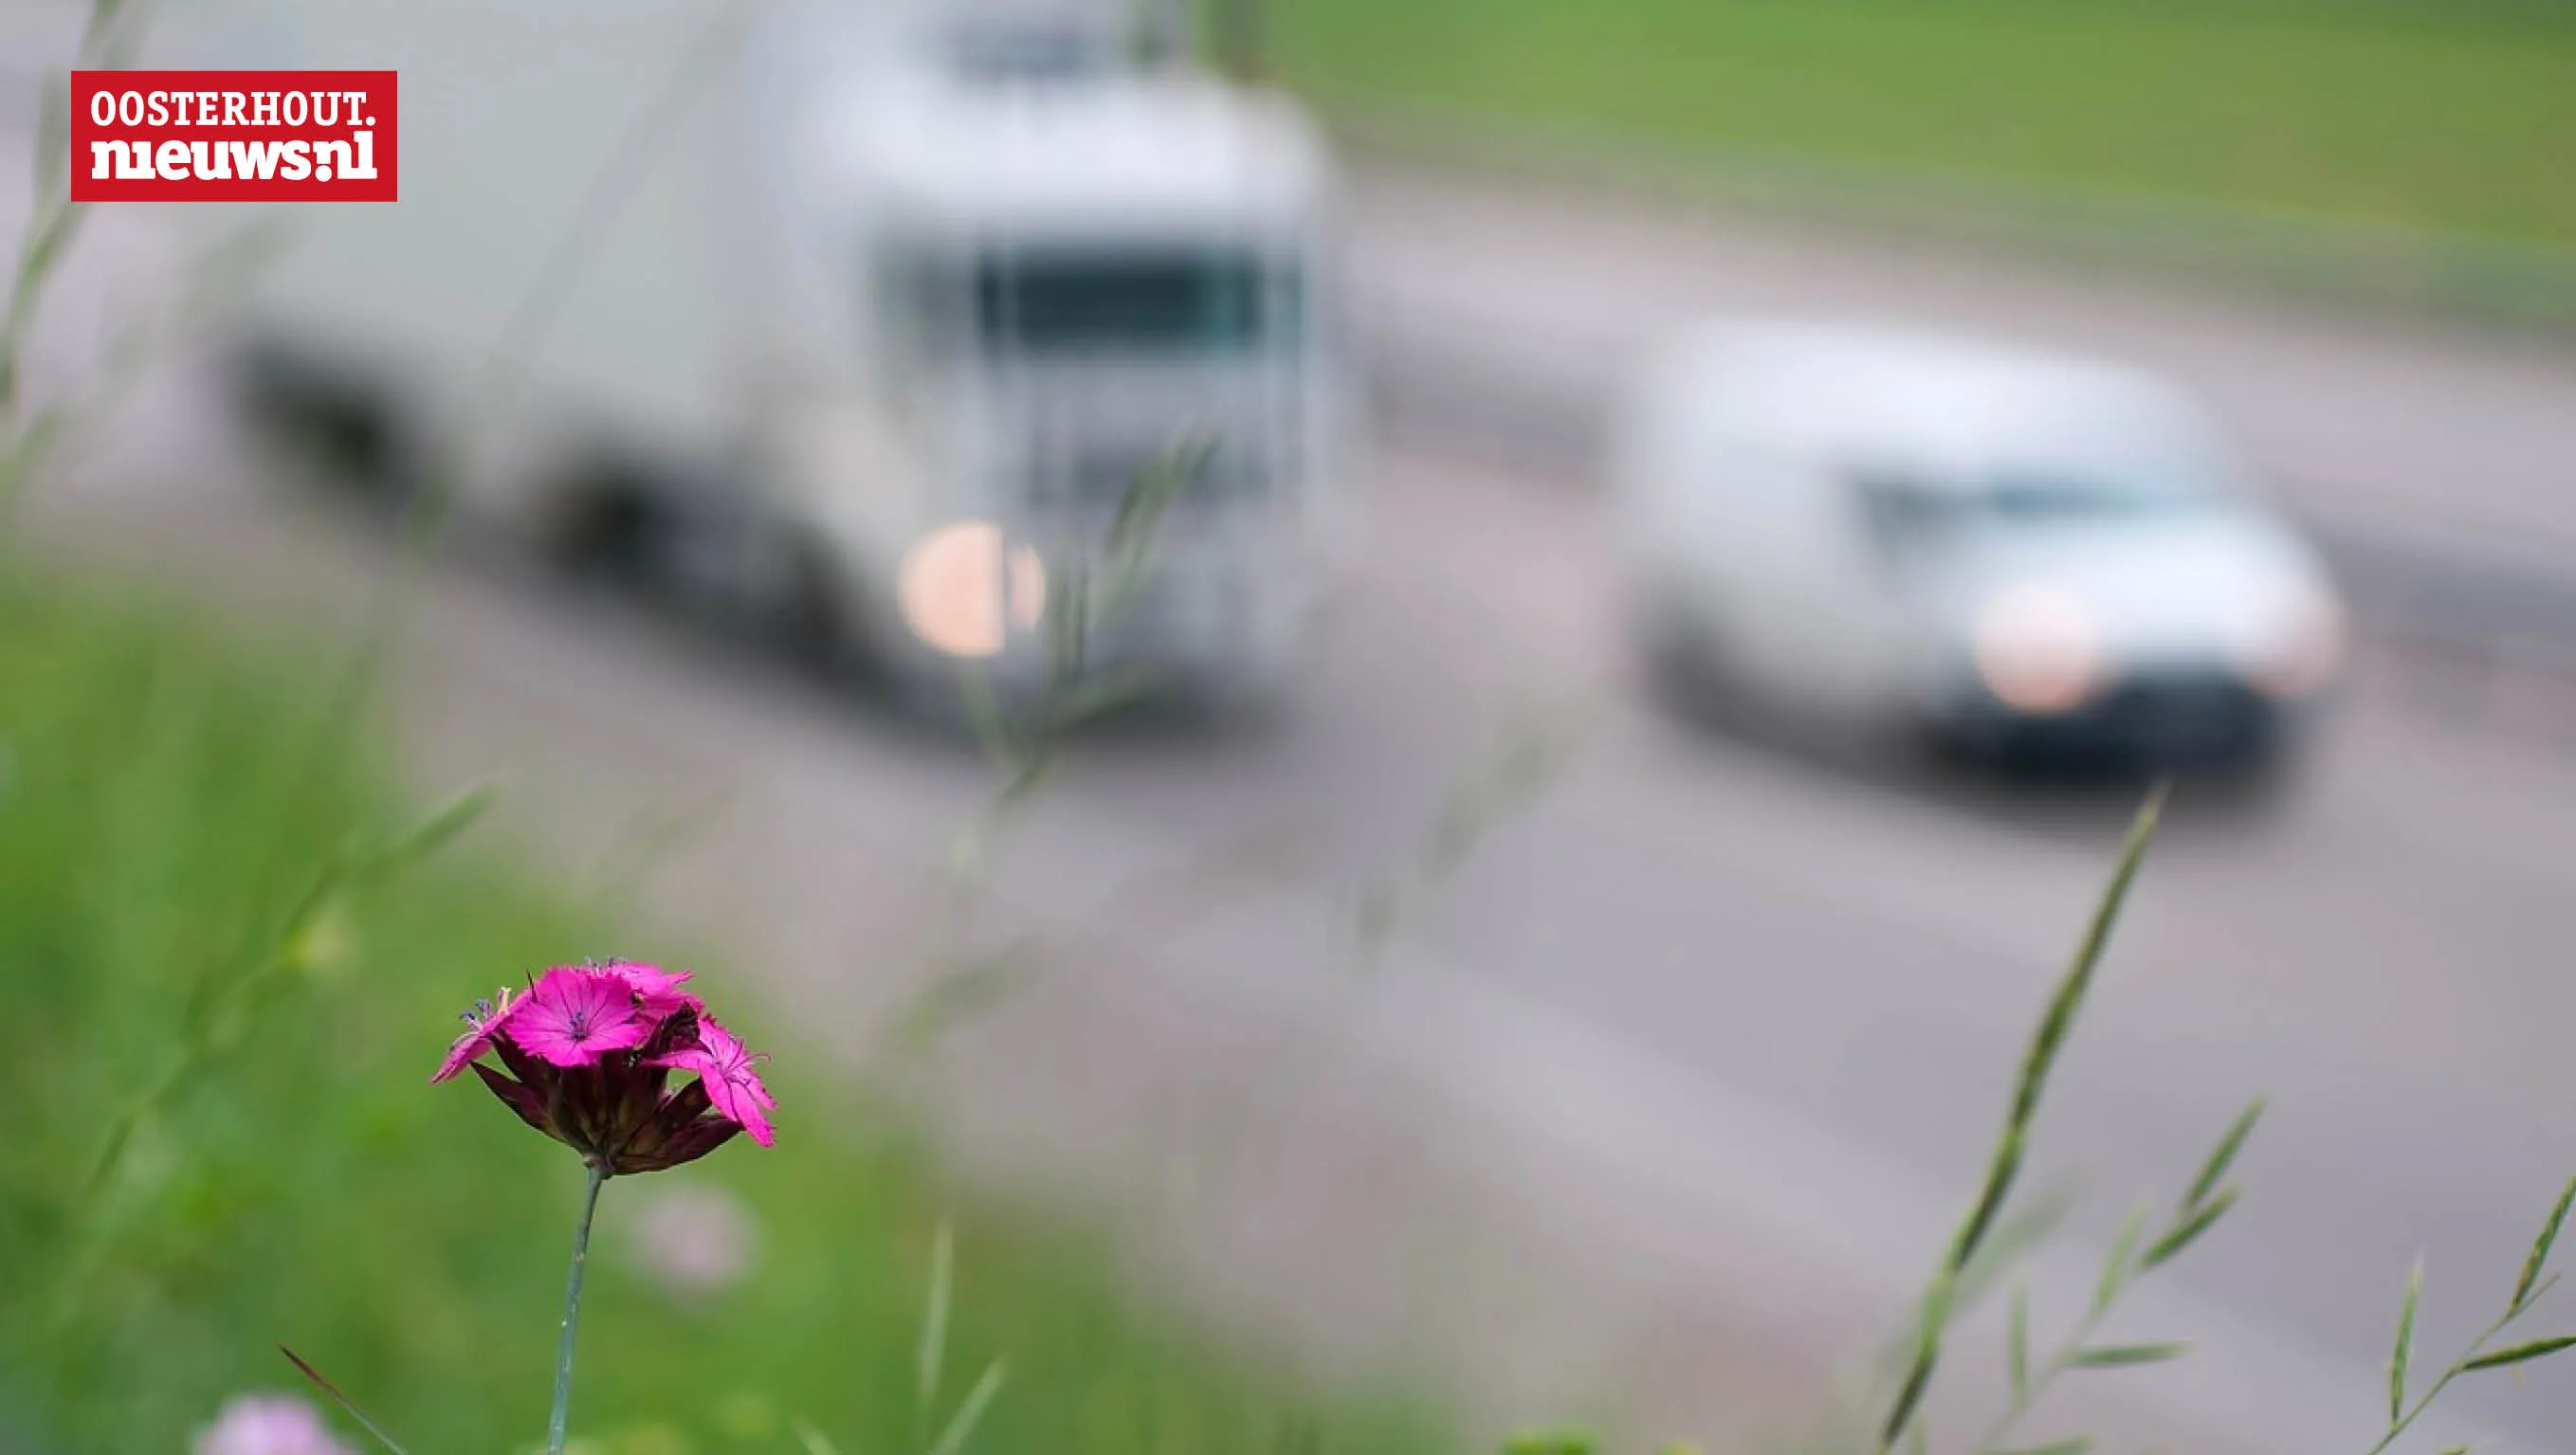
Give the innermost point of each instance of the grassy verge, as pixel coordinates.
(164, 798)
(2450, 116)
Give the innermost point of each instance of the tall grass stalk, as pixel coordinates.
(52, 220)
(2004, 1164)
(347, 1406)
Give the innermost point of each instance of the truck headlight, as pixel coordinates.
(962, 588)
(2038, 650)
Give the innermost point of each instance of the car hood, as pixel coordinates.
(2186, 594)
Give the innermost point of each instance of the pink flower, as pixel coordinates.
(726, 1066)
(658, 990)
(574, 1015)
(483, 1022)
(586, 1057)
(268, 1424)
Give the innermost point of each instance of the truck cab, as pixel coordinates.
(1028, 268)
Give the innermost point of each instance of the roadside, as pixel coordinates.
(2517, 289)
(2402, 152)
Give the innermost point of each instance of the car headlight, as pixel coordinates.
(962, 588)
(2302, 652)
(2038, 650)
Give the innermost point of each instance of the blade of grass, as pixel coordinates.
(2531, 1267)
(961, 1426)
(932, 1350)
(2115, 1267)
(2123, 1356)
(2171, 1245)
(342, 1400)
(2224, 1157)
(2404, 1355)
(2519, 1354)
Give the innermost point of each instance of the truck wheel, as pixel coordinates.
(344, 424)
(810, 618)
(611, 531)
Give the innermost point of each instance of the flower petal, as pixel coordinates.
(477, 1039)
(736, 1106)
(574, 1015)
(657, 989)
(467, 1047)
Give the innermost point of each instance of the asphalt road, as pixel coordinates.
(1667, 1100)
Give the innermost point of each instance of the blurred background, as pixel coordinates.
(1679, 533)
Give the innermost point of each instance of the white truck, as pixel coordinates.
(868, 318)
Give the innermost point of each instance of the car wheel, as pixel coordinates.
(1682, 663)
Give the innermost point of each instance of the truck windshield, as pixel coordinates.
(998, 50)
(1175, 301)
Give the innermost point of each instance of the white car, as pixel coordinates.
(2016, 553)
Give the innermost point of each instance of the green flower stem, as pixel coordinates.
(572, 1312)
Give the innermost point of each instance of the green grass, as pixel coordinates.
(2453, 115)
(164, 797)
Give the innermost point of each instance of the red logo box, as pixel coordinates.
(233, 136)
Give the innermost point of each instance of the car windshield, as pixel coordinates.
(1163, 301)
(1915, 513)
